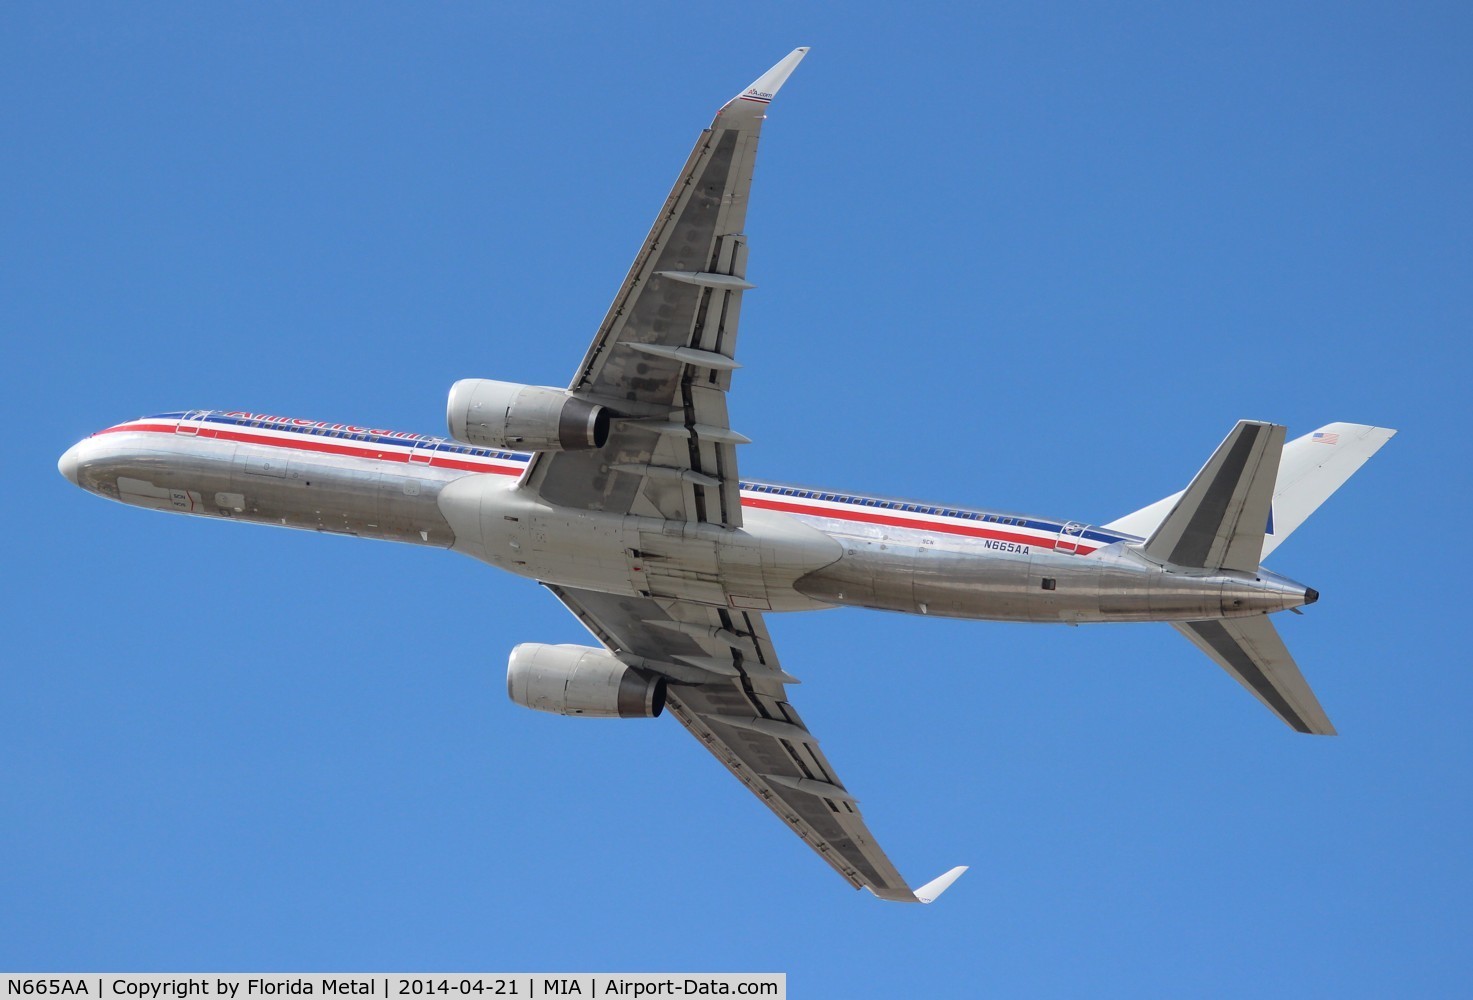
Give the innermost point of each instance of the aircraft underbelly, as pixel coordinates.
(752, 567)
(892, 572)
(776, 562)
(899, 570)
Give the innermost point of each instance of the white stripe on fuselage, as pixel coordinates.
(1000, 531)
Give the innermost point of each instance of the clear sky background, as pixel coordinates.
(1034, 256)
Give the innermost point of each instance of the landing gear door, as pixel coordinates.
(1069, 535)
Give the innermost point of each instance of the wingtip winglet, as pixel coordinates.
(766, 86)
(933, 889)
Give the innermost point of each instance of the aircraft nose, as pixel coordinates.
(67, 464)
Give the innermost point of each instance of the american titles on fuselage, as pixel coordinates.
(265, 418)
(1008, 533)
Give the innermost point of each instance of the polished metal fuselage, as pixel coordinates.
(778, 560)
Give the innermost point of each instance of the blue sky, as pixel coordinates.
(1036, 256)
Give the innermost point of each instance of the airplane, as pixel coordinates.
(621, 495)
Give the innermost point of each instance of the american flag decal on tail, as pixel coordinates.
(1322, 438)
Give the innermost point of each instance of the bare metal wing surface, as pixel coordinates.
(728, 689)
(663, 357)
(662, 362)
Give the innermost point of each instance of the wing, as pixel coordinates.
(663, 355)
(727, 687)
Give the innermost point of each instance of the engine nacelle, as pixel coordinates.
(580, 680)
(525, 417)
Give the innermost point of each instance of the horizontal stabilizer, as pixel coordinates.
(1219, 522)
(1250, 649)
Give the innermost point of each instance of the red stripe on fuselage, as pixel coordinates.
(874, 517)
(326, 447)
(438, 461)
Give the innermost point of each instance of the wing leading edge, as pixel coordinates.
(664, 354)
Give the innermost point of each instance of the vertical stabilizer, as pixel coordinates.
(1219, 522)
(1312, 467)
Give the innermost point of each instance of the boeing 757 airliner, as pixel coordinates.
(621, 495)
